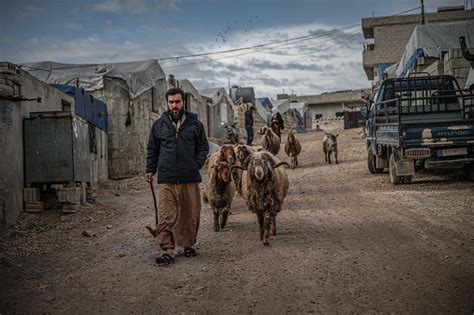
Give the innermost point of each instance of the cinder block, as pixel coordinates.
(70, 207)
(31, 195)
(457, 63)
(6, 90)
(8, 68)
(91, 194)
(34, 206)
(70, 195)
(461, 72)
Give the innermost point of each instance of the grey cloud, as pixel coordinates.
(30, 10)
(74, 26)
(107, 6)
(268, 65)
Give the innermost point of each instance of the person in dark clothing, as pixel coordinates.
(177, 149)
(277, 122)
(249, 124)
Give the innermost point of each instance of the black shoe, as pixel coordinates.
(190, 252)
(165, 260)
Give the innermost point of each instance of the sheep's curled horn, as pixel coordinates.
(272, 161)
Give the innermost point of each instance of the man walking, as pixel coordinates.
(249, 124)
(177, 149)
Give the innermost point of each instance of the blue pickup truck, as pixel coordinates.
(419, 122)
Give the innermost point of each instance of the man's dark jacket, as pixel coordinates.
(248, 118)
(178, 155)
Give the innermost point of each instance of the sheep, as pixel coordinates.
(270, 141)
(264, 187)
(227, 154)
(220, 191)
(329, 146)
(292, 149)
(242, 151)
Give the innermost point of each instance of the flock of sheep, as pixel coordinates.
(256, 175)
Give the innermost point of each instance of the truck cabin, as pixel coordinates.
(419, 99)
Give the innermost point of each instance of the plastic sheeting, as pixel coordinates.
(87, 106)
(139, 75)
(431, 39)
(261, 111)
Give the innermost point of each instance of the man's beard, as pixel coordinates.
(176, 114)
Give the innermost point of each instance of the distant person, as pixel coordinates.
(177, 149)
(249, 124)
(277, 122)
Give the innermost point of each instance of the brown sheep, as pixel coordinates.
(220, 192)
(226, 154)
(329, 146)
(264, 188)
(270, 140)
(292, 149)
(242, 151)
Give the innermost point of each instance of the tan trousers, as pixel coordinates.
(180, 210)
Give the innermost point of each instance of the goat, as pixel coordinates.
(242, 151)
(270, 141)
(329, 146)
(264, 187)
(292, 149)
(220, 192)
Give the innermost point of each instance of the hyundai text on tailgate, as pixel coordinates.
(419, 122)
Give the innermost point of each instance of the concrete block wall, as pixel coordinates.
(130, 122)
(390, 42)
(457, 66)
(436, 68)
(99, 160)
(258, 122)
(12, 114)
(391, 34)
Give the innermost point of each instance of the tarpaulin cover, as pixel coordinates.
(266, 102)
(139, 75)
(87, 106)
(431, 39)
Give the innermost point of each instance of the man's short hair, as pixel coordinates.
(174, 91)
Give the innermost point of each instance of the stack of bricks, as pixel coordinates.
(10, 80)
(71, 198)
(457, 66)
(91, 194)
(31, 197)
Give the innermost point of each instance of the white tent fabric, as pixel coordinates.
(282, 105)
(299, 106)
(139, 75)
(261, 111)
(216, 94)
(433, 39)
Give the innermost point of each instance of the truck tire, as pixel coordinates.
(394, 179)
(407, 179)
(371, 162)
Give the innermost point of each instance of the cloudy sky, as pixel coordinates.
(298, 46)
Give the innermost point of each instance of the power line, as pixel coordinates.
(285, 42)
(256, 51)
(257, 46)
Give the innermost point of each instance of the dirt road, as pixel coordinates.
(348, 242)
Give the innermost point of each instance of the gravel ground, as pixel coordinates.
(348, 241)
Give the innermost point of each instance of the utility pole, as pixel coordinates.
(422, 12)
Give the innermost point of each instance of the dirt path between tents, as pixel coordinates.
(348, 241)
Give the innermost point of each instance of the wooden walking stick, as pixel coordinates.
(149, 228)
